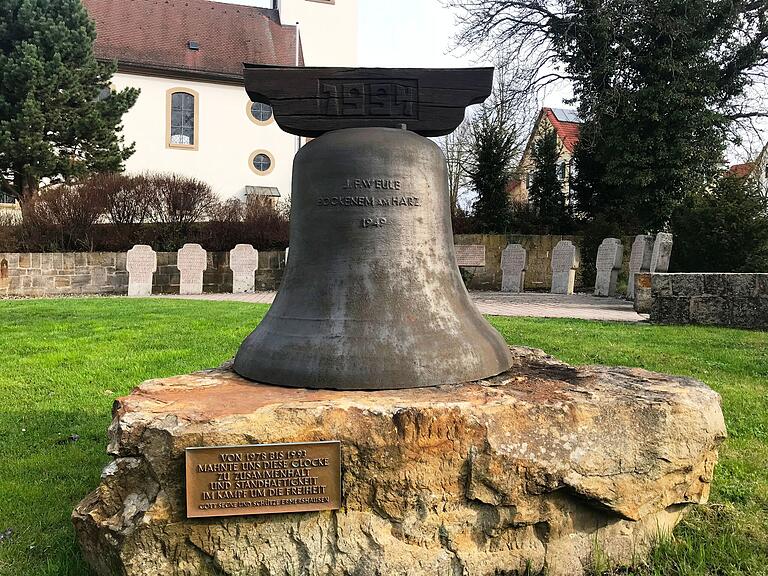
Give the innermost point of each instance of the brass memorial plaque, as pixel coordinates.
(263, 479)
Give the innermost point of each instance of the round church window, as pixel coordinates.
(260, 113)
(262, 162)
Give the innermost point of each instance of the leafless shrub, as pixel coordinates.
(267, 224)
(62, 217)
(128, 199)
(284, 208)
(178, 199)
(9, 231)
(230, 210)
(257, 208)
(257, 221)
(112, 212)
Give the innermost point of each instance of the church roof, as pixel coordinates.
(190, 37)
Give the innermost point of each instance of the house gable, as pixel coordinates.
(566, 125)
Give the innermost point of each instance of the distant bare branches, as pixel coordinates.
(509, 107)
(456, 148)
(523, 31)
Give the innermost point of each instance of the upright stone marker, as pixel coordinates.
(639, 260)
(662, 252)
(514, 261)
(192, 262)
(243, 261)
(141, 264)
(610, 256)
(564, 264)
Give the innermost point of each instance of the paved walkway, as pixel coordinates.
(502, 304)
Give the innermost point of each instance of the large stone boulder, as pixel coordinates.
(537, 468)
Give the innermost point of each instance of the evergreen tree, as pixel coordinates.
(546, 192)
(493, 146)
(55, 122)
(724, 229)
(494, 142)
(659, 80)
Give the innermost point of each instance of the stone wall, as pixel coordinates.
(643, 300)
(54, 274)
(739, 300)
(84, 273)
(538, 276)
(217, 277)
(104, 272)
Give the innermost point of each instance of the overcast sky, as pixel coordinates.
(417, 33)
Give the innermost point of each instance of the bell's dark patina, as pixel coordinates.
(371, 298)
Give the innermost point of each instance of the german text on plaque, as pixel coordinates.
(263, 479)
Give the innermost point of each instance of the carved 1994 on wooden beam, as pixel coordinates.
(312, 101)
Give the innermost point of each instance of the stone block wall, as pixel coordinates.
(54, 274)
(487, 277)
(739, 300)
(93, 273)
(643, 293)
(217, 277)
(538, 276)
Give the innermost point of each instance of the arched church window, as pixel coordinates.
(182, 118)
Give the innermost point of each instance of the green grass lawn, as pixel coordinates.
(63, 362)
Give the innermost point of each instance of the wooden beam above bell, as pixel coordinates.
(312, 101)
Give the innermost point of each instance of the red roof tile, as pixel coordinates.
(740, 170)
(568, 131)
(155, 34)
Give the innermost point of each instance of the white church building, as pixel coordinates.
(193, 116)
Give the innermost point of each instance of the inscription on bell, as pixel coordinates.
(368, 201)
(374, 222)
(263, 479)
(372, 184)
(363, 97)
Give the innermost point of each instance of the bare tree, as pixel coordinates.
(456, 148)
(524, 32)
(508, 107)
(496, 136)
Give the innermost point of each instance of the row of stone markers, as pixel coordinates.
(649, 254)
(192, 261)
(514, 261)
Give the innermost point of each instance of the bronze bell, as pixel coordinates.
(372, 298)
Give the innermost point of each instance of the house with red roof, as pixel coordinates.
(193, 116)
(566, 124)
(758, 169)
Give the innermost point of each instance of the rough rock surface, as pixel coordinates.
(534, 468)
